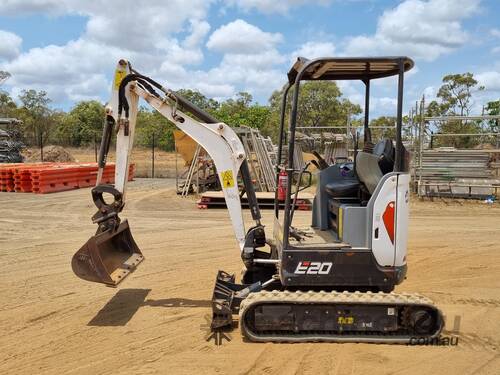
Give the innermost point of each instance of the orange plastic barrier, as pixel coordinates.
(44, 178)
(6, 176)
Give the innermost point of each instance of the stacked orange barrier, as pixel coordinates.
(44, 178)
(6, 176)
(89, 177)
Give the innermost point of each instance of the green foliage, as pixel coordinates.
(8, 107)
(379, 133)
(151, 124)
(82, 125)
(241, 111)
(493, 108)
(36, 116)
(455, 98)
(320, 104)
(455, 93)
(199, 100)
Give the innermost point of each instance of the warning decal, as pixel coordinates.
(227, 179)
(119, 75)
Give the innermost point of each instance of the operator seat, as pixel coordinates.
(371, 167)
(343, 188)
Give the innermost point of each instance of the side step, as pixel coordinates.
(285, 316)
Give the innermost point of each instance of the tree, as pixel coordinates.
(320, 104)
(493, 108)
(35, 114)
(241, 112)
(383, 121)
(4, 76)
(8, 107)
(199, 100)
(82, 125)
(151, 123)
(456, 93)
(455, 98)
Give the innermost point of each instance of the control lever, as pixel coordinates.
(321, 162)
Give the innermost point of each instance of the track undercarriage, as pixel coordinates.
(328, 316)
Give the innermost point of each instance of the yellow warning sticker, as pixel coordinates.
(119, 75)
(227, 179)
(345, 320)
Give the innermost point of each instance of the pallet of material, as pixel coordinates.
(215, 199)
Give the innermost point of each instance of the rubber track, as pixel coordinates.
(389, 299)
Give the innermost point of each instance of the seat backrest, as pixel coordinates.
(385, 152)
(368, 170)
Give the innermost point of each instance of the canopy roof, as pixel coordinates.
(348, 68)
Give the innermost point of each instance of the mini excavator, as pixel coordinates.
(331, 282)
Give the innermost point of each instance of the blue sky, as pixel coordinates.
(69, 48)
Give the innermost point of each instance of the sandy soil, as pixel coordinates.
(53, 323)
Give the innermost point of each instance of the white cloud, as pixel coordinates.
(263, 60)
(490, 80)
(144, 34)
(383, 104)
(420, 29)
(199, 30)
(71, 71)
(10, 45)
(241, 37)
(16, 7)
(273, 6)
(250, 58)
(314, 49)
(120, 23)
(239, 69)
(430, 93)
(495, 32)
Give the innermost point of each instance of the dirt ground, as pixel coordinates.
(54, 323)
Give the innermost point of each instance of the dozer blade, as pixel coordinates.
(108, 257)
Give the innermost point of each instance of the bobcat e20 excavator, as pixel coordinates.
(331, 282)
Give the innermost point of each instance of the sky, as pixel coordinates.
(69, 48)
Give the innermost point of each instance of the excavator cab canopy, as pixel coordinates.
(347, 68)
(362, 69)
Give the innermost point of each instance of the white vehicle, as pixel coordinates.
(332, 282)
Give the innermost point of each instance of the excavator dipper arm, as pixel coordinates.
(110, 255)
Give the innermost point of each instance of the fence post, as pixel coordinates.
(153, 157)
(95, 146)
(41, 145)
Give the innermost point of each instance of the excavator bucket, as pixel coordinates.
(108, 257)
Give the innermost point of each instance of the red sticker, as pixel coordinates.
(388, 218)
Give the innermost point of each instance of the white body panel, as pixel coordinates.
(382, 246)
(393, 201)
(402, 218)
